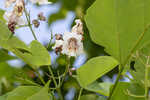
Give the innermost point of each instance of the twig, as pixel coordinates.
(54, 80)
(116, 83)
(66, 71)
(80, 93)
(49, 44)
(29, 23)
(40, 77)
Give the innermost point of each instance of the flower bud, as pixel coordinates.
(41, 17)
(36, 23)
(58, 49)
(78, 28)
(11, 26)
(58, 37)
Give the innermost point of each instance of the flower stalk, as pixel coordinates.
(29, 23)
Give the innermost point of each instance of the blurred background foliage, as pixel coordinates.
(11, 77)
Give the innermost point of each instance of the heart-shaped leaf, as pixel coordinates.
(29, 93)
(121, 26)
(95, 68)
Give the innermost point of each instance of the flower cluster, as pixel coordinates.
(71, 42)
(13, 17)
(41, 17)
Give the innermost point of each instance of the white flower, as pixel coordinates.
(71, 42)
(9, 2)
(58, 46)
(78, 28)
(58, 43)
(20, 21)
(11, 17)
(40, 2)
(15, 15)
(72, 45)
(19, 7)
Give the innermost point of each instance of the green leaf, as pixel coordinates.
(91, 97)
(69, 5)
(2, 98)
(101, 88)
(141, 66)
(102, 98)
(23, 92)
(1, 87)
(29, 93)
(96, 67)
(8, 76)
(139, 73)
(121, 26)
(1, 15)
(4, 56)
(42, 94)
(7, 72)
(86, 3)
(8, 42)
(145, 50)
(35, 55)
(121, 93)
(53, 1)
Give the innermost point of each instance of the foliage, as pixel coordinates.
(116, 41)
(101, 66)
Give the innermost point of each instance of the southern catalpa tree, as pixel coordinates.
(111, 35)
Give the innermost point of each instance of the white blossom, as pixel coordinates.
(71, 42)
(15, 14)
(11, 17)
(78, 28)
(19, 7)
(40, 2)
(58, 43)
(72, 45)
(58, 46)
(9, 2)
